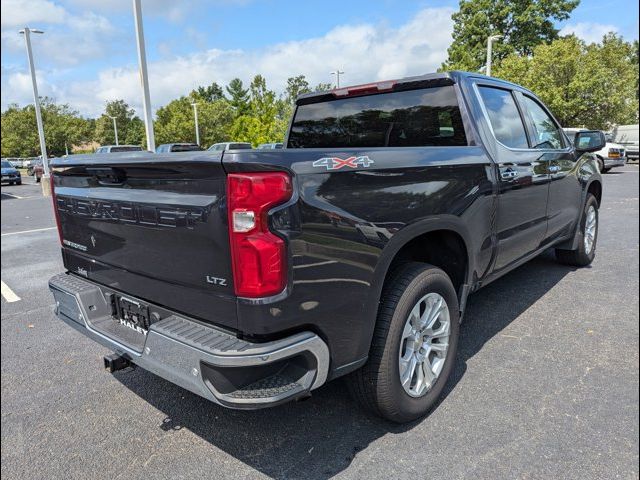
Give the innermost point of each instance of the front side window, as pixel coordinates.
(546, 132)
(412, 118)
(504, 116)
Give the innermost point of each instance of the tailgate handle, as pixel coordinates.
(108, 175)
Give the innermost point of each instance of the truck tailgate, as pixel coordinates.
(152, 226)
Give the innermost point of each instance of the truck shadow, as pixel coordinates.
(318, 438)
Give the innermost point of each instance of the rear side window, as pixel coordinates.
(546, 132)
(504, 117)
(414, 118)
(240, 146)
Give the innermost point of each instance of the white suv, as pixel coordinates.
(611, 156)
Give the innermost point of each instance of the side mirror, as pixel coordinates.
(589, 141)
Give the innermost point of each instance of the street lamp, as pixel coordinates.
(195, 114)
(337, 73)
(115, 128)
(490, 41)
(144, 77)
(36, 100)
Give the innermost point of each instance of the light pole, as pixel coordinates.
(337, 73)
(490, 41)
(195, 114)
(36, 100)
(115, 128)
(144, 78)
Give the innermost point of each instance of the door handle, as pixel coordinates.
(554, 169)
(508, 174)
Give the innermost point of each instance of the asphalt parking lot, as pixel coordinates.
(546, 384)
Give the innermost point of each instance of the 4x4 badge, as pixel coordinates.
(335, 163)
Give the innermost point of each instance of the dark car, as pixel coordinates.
(10, 174)
(254, 277)
(178, 147)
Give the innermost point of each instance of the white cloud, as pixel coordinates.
(366, 52)
(176, 11)
(69, 38)
(588, 31)
(18, 13)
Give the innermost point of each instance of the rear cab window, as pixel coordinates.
(126, 149)
(413, 118)
(185, 148)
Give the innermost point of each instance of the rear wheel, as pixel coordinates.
(414, 345)
(586, 251)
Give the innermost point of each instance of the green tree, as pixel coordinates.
(238, 96)
(296, 86)
(175, 121)
(208, 94)
(135, 134)
(524, 24)
(322, 87)
(264, 121)
(635, 57)
(584, 85)
(63, 127)
(128, 125)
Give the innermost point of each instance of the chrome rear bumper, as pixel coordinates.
(205, 360)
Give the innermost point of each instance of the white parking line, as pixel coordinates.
(12, 195)
(28, 231)
(8, 294)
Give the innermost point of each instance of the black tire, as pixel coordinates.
(19, 182)
(580, 257)
(37, 178)
(606, 170)
(377, 384)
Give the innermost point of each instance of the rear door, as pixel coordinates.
(153, 226)
(565, 191)
(523, 179)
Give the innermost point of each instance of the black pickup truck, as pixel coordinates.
(252, 277)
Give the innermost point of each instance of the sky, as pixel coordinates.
(87, 55)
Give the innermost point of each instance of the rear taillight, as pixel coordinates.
(55, 206)
(258, 255)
